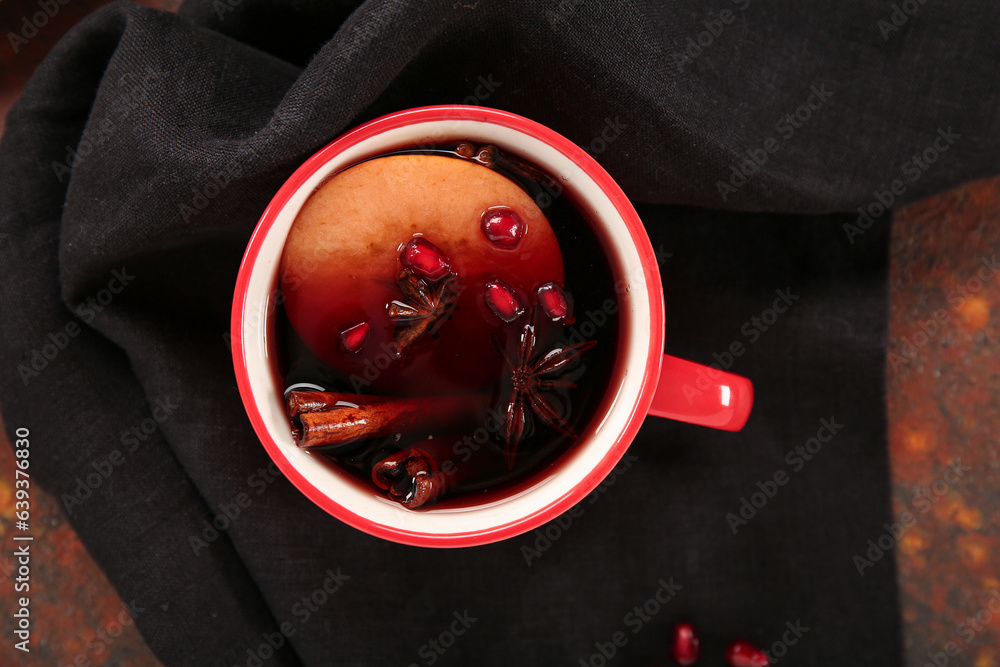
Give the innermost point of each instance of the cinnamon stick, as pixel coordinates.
(412, 477)
(338, 418)
(298, 402)
(431, 469)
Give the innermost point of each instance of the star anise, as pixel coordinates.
(530, 375)
(425, 310)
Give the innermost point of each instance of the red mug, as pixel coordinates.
(652, 383)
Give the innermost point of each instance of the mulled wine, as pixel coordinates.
(447, 323)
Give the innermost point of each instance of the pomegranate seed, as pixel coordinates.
(354, 336)
(425, 258)
(685, 647)
(742, 653)
(502, 300)
(503, 227)
(553, 301)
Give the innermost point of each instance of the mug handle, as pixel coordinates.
(702, 395)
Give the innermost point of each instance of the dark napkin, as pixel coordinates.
(146, 146)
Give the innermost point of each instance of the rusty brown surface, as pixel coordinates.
(20, 55)
(944, 407)
(943, 375)
(77, 618)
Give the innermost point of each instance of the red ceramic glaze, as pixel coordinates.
(719, 400)
(697, 394)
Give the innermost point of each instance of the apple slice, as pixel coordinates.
(355, 234)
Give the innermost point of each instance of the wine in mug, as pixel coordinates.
(448, 322)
